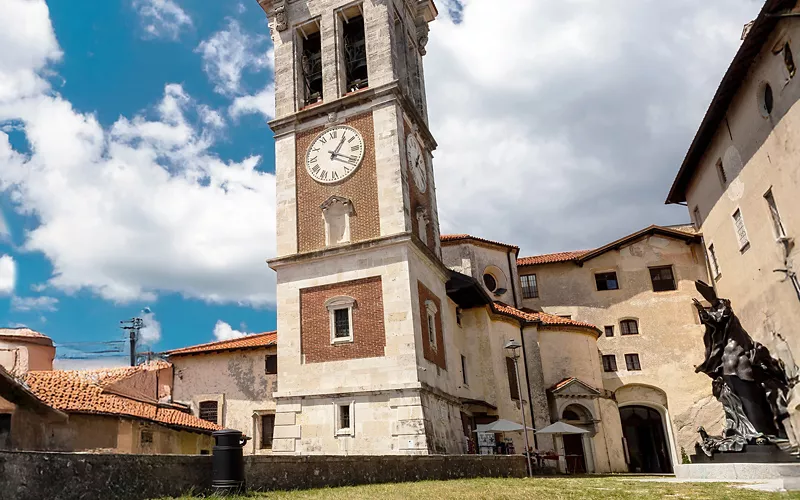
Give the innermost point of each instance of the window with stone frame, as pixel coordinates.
(629, 327)
(209, 411)
(340, 310)
(530, 288)
(609, 330)
(662, 279)
(344, 418)
(632, 362)
(741, 230)
(267, 430)
(609, 363)
(511, 371)
(354, 48)
(606, 281)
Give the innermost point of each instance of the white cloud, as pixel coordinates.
(151, 333)
(8, 274)
(229, 52)
(41, 303)
(263, 102)
(224, 331)
(4, 232)
(141, 208)
(162, 18)
(570, 122)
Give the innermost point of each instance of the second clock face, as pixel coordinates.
(416, 163)
(335, 154)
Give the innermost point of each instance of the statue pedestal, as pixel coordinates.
(753, 454)
(786, 474)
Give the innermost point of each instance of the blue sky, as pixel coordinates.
(136, 166)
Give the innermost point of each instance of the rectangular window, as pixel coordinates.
(777, 223)
(698, 221)
(606, 281)
(146, 437)
(271, 364)
(267, 430)
(432, 329)
(343, 418)
(741, 231)
(565, 316)
(712, 257)
(629, 327)
(632, 362)
(662, 279)
(609, 330)
(530, 290)
(310, 62)
(609, 363)
(512, 379)
(355, 49)
(464, 369)
(209, 411)
(341, 321)
(721, 172)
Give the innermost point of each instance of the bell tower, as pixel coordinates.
(360, 282)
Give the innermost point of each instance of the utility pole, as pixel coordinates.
(133, 326)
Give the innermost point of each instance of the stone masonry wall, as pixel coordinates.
(63, 476)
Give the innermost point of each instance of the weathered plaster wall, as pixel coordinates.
(758, 154)
(475, 260)
(238, 379)
(20, 357)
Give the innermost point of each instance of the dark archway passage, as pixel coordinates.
(643, 429)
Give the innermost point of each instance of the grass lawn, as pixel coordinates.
(537, 488)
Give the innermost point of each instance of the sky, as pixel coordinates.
(137, 166)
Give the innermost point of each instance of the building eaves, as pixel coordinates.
(464, 238)
(256, 341)
(730, 85)
(541, 318)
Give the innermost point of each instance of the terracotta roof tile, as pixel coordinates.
(551, 258)
(247, 342)
(80, 391)
(542, 318)
(448, 238)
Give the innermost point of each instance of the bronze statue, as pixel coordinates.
(751, 385)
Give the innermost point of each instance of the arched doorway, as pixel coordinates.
(574, 450)
(643, 429)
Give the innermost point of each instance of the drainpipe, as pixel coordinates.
(522, 340)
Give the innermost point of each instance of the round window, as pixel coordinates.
(766, 100)
(490, 282)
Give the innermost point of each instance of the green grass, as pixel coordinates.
(605, 488)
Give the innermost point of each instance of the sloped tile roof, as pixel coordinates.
(570, 380)
(21, 332)
(77, 391)
(450, 238)
(551, 258)
(542, 318)
(247, 342)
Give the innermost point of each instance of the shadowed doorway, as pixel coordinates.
(643, 429)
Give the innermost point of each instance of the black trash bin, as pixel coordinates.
(228, 462)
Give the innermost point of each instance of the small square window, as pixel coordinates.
(146, 437)
(629, 327)
(606, 281)
(209, 411)
(662, 279)
(271, 364)
(609, 330)
(632, 362)
(344, 418)
(609, 363)
(530, 289)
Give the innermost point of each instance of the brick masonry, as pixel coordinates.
(435, 355)
(369, 335)
(66, 476)
(361, 188)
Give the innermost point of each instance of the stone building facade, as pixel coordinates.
(739, 181)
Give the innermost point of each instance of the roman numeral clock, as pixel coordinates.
(335, 154)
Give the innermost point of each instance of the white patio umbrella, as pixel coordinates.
(561, 428)
(501, 426)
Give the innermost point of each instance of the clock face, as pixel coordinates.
(416, 162)
(335, 154)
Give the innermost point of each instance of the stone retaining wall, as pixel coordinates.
(67, 476)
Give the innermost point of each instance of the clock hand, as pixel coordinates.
(338, 148)
(348, 159)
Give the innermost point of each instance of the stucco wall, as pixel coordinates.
(758, 153)
(20, 357)
(238, 379)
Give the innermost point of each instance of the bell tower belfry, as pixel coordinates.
(360, 282)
